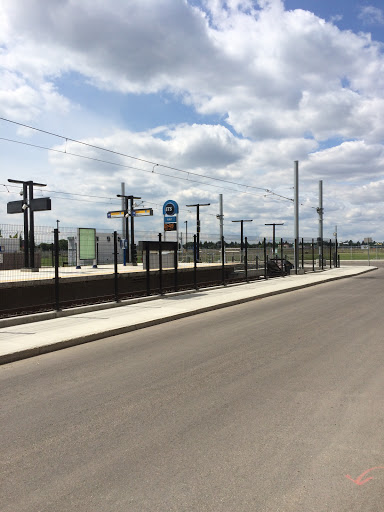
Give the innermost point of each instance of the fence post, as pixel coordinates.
(281, 256)
(160, 266)
(330, 253)
(265, 260)
(246, 259)
(322, 254)
(223, 260)
(297, 255)
(175, 266)
(116, 274)
(147, 270)
(56, 260)
(336, 254)
(313, 256)
(302, 254)
(195, 262)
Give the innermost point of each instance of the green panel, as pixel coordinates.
(87, 243)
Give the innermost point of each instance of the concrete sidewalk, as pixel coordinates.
(28, 336)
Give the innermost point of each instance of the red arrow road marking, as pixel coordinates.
(359, 481)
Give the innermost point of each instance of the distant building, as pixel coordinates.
(367, 241)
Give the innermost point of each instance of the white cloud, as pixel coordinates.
(286, 81)
(371, 15)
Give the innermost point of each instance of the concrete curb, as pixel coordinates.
(52, 347)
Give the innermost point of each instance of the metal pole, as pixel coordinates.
(194, 261)
(26, 234)
(133, 252)
(56, 260)
(265, 260)
(160, 266)
(175, 266)
(282, 257)
(222, 260)
(320, 211)
(116, 275)
(336, 254)
(241, 241)
(296, 202)
(31, 228)
(198, 232)
(147, 263)
(313, 256)
(221, 216)
(330, 253)
(246, 259)
(186, 240)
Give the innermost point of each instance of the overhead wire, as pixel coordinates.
(154, 164)
(125, 166)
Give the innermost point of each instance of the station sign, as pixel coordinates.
(170, 212)
(116, 215)
(142, 213)
(170, 208)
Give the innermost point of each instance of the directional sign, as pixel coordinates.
(40, 204)
(116, 215)
(143, 212)
(15, 207)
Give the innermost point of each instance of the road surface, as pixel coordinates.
(265, 407)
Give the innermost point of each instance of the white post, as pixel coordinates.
(221, 218)
(296, 202)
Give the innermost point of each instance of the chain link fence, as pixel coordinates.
(68, 267)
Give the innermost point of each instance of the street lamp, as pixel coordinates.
(197, 226)
(274, 224)
(242, 235)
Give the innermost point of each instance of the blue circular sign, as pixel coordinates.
(170, 208)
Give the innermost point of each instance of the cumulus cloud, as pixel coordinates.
(284, 85)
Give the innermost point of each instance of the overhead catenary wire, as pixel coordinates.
(125, 166)
(154, 164)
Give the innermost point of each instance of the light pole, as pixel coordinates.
(274, 224)
(197, 226)
(242, 235)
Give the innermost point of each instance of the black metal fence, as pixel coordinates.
(59, 280)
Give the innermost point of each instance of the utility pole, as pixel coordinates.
(197, 226)
(320, 211)
(296, 204)
(274, 232)
(242, 236)
(129, 213)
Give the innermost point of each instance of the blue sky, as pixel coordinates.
(232, 90)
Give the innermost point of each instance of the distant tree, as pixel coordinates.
(63, 244)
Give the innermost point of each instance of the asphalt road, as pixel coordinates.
(260, 407)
